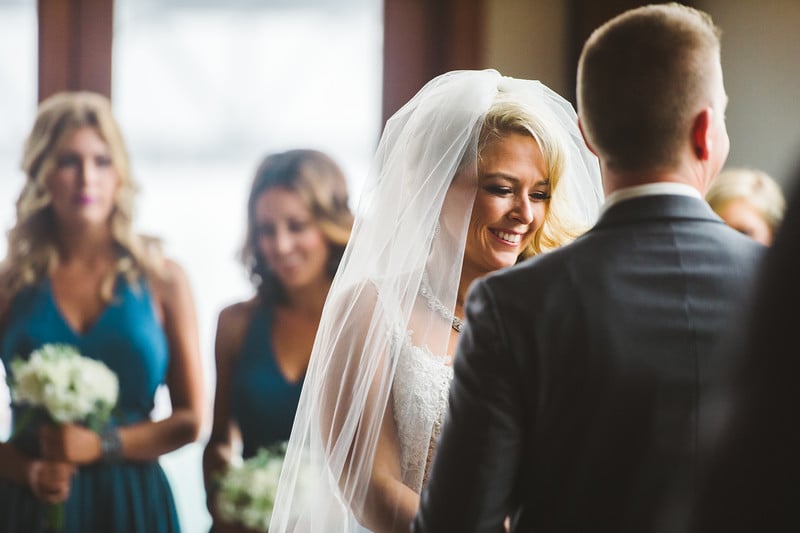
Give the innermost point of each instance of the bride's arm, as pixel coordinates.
(389, 505)
(358, 384)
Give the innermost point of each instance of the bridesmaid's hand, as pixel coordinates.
(50, 481)
(69, 443)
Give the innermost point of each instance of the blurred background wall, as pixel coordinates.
(204, 88)
(760, 62)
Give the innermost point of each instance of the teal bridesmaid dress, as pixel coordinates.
(121, 497)
(263, 401)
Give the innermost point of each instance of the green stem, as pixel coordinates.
(22, 422)
(55, 516)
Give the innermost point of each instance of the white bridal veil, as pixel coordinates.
(411, 221)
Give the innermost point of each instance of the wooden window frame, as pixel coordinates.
(75, 38)
(422, 38)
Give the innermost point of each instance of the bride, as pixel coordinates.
(474, 173)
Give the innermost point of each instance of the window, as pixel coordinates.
(203, 90)
(18, 108)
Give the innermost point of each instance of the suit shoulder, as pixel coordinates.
(543, 268)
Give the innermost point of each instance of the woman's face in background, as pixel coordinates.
(510, 204)
(289, 239)
(84, 183)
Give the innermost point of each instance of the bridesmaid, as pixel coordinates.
(298, 223)
(77, 273)
(749, 201)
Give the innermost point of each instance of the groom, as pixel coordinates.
(574, 401)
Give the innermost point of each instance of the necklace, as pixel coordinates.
(437, 306)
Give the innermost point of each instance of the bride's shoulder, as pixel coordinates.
(348, 295)
(371, 292)
(369, 306)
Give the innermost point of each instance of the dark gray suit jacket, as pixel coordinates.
(577, 377)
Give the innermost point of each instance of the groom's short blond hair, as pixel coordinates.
(642, 77)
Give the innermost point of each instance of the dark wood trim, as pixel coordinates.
(54, 64)
(75, 43)
(425, 38)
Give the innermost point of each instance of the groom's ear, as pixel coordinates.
(585, 140)
(702, 134)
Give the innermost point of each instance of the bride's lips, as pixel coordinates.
(510, 238)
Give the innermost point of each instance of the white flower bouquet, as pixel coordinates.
(246, 491)
(69, 388)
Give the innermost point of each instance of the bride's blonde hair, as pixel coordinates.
(32, 251)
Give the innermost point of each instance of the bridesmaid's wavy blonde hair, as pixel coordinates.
(32, 247)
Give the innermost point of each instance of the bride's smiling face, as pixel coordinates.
(510, 204)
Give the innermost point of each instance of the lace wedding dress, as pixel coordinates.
(419, 392)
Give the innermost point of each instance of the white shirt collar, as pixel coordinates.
(649, 189)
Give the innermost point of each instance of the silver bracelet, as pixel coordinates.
(110, 445)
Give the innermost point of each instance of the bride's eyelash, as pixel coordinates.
(540, 195)
(498, 189)
(501, 190)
